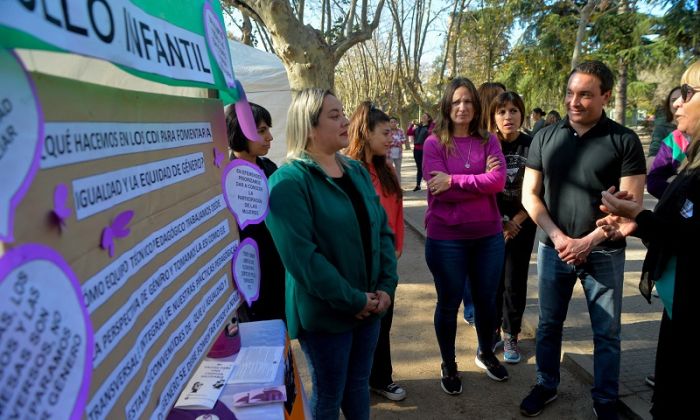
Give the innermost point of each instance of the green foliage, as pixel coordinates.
(537, 68)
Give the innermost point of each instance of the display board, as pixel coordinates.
(117, 278)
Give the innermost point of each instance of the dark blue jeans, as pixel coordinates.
(340, 365)
(602, 278)
(453, 261)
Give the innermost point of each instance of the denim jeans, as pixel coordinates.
(602, 278)
(453, 261)
(339, 365)
(468, 310)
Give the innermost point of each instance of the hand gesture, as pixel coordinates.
(620, 203)
(510, 229)
(439, 182)
(493, 162)
(384, 301)
(370, 306)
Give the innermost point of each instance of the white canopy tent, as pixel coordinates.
(262, 75)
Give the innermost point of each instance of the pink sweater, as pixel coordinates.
(468, 210)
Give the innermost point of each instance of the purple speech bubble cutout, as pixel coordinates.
(231, 202)
(24, 254)
(245, 115)
(61, 210)
(218, 43)
(115, 230)
(34, 167)
(218, 158)
(240, 284)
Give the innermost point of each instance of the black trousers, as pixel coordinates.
(512, 291)
(381, 367)
(418, 157)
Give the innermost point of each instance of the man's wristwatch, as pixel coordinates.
(506, 219)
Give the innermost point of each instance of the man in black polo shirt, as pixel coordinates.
(569, 164)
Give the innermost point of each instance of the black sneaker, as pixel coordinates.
(493, 367)
(650, 380)
(535, 401)
(605, 411)
(450, 381)
(417, 188)
(392, 391)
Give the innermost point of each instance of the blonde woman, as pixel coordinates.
(338, 251)
(671, 233)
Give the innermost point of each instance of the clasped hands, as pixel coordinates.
(377, 302)
(621, 210)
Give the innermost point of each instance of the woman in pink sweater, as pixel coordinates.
(465, 169)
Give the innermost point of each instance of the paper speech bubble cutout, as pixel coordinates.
(117, 229)
(246, 192)
(218, 158)
(46, 331)
(218, 43)
(245, 115)
(246, 270)
(61, 210)
(21, 137)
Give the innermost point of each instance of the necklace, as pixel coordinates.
(469, 154)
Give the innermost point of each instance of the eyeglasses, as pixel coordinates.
(687, 92)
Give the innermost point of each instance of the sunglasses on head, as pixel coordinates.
(687, 92)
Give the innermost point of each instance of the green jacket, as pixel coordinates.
(314, 226)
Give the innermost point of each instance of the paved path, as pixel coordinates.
(640, 321)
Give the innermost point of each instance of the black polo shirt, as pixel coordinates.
(577, 168)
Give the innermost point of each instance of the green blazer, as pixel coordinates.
(315, 229)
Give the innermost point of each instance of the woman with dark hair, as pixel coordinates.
(465, 170)
(370, 137)
(506, 117)
(419, 133)
(270, 303)
(487, 92)
(664, 123)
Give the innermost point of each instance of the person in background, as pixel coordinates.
(270, 303)
(398, 138)
(537, 116)
(464, 167)
(664, 123)
(371, 134)
(507, 115)
(552, 117)
(671, 233)
(487, 92)
(667, 162)
(323, 205)
(417, 134)
(666, 154)
(568, 163)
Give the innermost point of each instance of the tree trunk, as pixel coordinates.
(307, 56)
(585, 17)
(621, 87)
(247, 30)
(621, 92)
